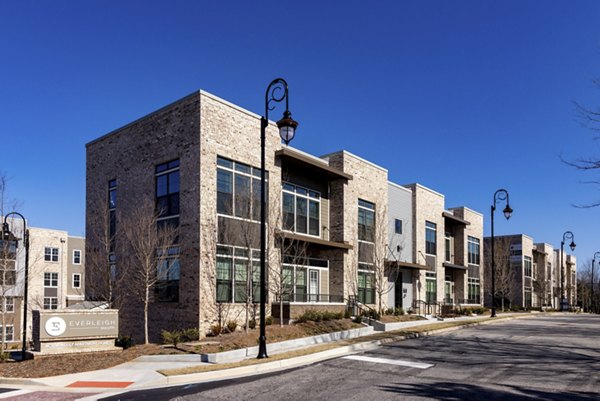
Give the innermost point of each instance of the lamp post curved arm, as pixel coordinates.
(276, 92)
(499, 195)
(567, 235)
(5, 230)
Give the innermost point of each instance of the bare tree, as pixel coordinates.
(151, 247)
(385, 274)
(542, 283)
(584, 287)
(105, 275)
(504, 270)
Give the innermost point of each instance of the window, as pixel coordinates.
(167, 191)
(449, 245)
(76, 280)
(233, 268)
(474, 291)
(9, 305)
(301, 209)
(528, 298)
(50, 303)
(366, 221)
(430, 287)
(50, 254)
(112, 215)
(366, 290)
(8, 332)
(430, 238)
(527, 270)
(300, 277)
(76, 257)
(50, 279)
(473, 250)
(168, 272)
(238, 189)
(398, 226)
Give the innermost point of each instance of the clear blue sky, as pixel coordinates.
(464, 97)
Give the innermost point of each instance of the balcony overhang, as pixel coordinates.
(309, 163)
(408, 265)
(313, 240)
(455, 219)
(453, 266)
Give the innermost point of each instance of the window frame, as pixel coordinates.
(53, 278)
(473, 250)
(73, 280)
(50, 303)
(232, 255)
(398, 226)
(77, 259)
(168, 204)
(527, 266)
(51, 254)
(366, 213)
(237, 172)
(310, 197)
(430, 227)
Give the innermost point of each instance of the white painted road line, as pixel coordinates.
(389, 361)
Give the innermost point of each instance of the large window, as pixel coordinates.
(366, 221)
(234, 264)
(9, 305)
(473, 250)
(238, 189)
(527, 270)
(301, 277)
(167, 286)
(51, 280)
(528, 299)
(474, 291)
(50, 254)
(301, 209)
(8, 332)
(430, 238)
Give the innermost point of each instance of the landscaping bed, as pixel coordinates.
(399, 318)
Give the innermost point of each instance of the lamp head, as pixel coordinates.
(287, 127)
(507, 211)
(572, 246)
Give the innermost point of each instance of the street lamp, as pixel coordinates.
(592, 289)
(566, 235)
(5, 235)
(276, 92)
(501, 194)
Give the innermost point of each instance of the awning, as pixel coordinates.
(309, 163)
(409, 265)
(455, 219)
(313, 240)
(453, 266)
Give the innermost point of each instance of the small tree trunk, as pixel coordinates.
(280, 311)
(146, 301)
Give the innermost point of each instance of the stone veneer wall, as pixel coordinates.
(130, 155)
(369, 183)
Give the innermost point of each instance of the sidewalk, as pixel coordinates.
(142, 373)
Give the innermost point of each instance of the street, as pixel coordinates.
(542, 358)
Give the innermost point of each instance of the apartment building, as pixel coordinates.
(528, 274)
(446, 247)
(55, 274)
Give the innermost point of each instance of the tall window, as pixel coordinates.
(76, 257)
(50, 254)
(301, 209)
(473, 250)
(366, 288)
(9, 305)
(8, 332)
(238, 189)
(168, 271)
(430, 238)
(366, 221)
(167, 192)
(527, 270)
(449, 242)
(233, 268)
(50, 303)
(112, 213)
(528, 298)
(397, 226)
(51, 280)
(430, 287)
(474, 291)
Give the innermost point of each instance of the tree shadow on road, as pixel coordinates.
(447, 391)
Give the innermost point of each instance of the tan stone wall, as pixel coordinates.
(475, 229)
(75, 295)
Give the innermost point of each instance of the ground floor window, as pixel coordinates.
(238, 274)
(366, 280)
(430, 287)
(301, 279)
(8, 332)
(168, 270)
(474, 291)
(50, 303)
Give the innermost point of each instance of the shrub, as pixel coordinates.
(269, 320)
(371, 314)
(317, 316)
(231, 326)
(191, 334)
(347, 314)
(216, 330)
(171, 337)
(4, 356)
(252, 324)
(358, 319)
(124, 342)
(398, 312)
(389, 311)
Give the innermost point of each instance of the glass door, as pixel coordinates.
(313, 286)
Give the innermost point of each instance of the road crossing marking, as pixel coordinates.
(409, 364)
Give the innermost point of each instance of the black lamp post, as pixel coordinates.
(277, 91)
(5, 235)
(501, 194)
(566, 235)
(597, 254)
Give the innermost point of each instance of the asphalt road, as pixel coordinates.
(543, 358)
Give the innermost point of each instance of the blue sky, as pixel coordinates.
(464, 97)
